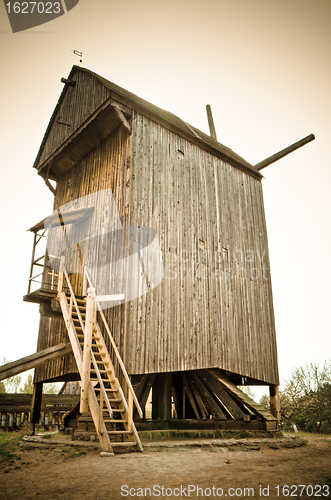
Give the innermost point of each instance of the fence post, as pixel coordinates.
(87, 349)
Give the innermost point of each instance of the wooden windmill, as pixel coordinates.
(208, 325)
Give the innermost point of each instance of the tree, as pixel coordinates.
(28, 385)
(306, 399)
(12, 384)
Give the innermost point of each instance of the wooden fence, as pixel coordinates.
(15, 410)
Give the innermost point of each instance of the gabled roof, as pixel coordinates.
(165, 118)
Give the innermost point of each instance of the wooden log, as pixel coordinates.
(143, 393)
(36, 402)
(214, 385)
(190, 397)
(211, 123)
(284, 152)
(197, 396)
(275, 402)
(29, 362)
(246, 400)
(207, 398)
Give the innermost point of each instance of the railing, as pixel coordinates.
(36, 261)
(132, 398)
(84, 359)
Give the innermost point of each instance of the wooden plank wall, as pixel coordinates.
(78, 104)
(214, 307)
(107, 166)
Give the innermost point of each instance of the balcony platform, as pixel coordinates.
(40, 296)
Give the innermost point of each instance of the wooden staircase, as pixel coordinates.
(102, 396)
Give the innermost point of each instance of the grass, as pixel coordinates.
(8, 446)
(303, 434)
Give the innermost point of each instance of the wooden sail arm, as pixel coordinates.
(37, 359)
(284, 152)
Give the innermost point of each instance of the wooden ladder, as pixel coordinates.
(101, 392)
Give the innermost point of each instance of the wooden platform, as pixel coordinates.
(40, 296)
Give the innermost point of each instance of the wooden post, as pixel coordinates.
(161, 400)
(87, 349)
(36, 403)
(60, 282)
(211, 123)
(32, 260)
(275, 402)
(284, 152)
(130, 412)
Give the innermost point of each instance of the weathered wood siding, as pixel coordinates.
(107, 166)
(214, 307)
(77, 104)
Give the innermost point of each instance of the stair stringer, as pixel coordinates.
(78, 354)
(116, 385)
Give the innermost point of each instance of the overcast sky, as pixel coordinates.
(262, 65)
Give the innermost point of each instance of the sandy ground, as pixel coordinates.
(64, 472)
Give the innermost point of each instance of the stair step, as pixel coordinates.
(111, 400)
(114, 421)
(102, 362)
(103, 371)
(128, 443)
(120, 432)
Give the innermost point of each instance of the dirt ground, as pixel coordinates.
(68, 473)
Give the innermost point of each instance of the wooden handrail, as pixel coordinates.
(126, 376)
(72, 295)
(118, 356)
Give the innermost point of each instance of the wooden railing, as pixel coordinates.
(85, 358)
(132, 398)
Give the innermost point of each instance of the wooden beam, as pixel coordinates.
(246, 400)
(210, 403)
(190, 397)
(284, 152)
(197, 396)
(275, 402)
(122, 117)
(71, 83)
(229, 403)
(36, 403)
(37, 359)
(211, 123)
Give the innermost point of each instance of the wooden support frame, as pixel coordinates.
(36, 403)
(37, 359)
(208, 400)
(275, 402)
(215, 386)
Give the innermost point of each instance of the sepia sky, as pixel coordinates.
(262, 65)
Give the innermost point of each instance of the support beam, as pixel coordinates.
(275, 402)
(37, 359)
(36, 403)
(284, 152)
(211, 123)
